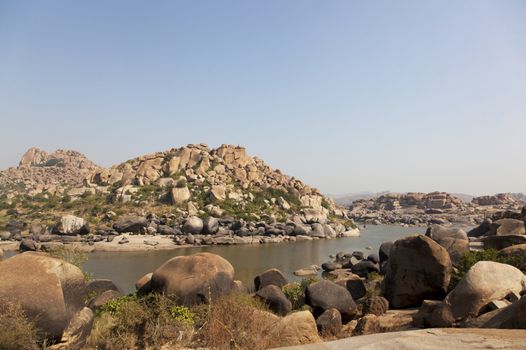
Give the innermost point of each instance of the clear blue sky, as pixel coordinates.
(346, 95)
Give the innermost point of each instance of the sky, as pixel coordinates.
(346, 95)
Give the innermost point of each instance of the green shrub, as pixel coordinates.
(183, 314)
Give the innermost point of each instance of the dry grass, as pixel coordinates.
(236, 321)
(16, 331)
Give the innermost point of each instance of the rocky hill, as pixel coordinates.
(194, 190)
(39, 171)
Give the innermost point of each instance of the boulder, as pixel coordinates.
(134, 224)
(354, 285)
(270, 277)
(193, 225)
(165, 230)
(96, 303)
(218, 193)
(365, 267)
(210, 225)
(49, 290)
(179, 195)
(510, 317)
(99, 286)
(297, 328)
(501, 242)
(143, 284)
(329, 322)
(418, 269)
(481, 230)
(194, 279)
(454, 240)
(368, 324)
(330, 266)
(385, 250)
(514, 250)
(1, 254)
(275, 299)
(325, 295)
(307, 271)
(28, 245)
(484, 282)
(504, 227)
(71, 225)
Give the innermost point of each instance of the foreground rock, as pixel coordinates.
(295, 329)
(429, 339)
(49, 290)
(270, 277)
(484, 282)
(418, 269)
(325, 295)
(194, 279)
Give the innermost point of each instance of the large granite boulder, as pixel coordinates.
(325, 295)
(210, 225)
(504, 241)
(270, 277)
(297, 328)
(71, 225)
(418, 269)
(194, 279)
(511, 317)
(507, 227)
(275, 299)
(455, 240)
(193, 225)
(484, 282)
(329, 322)
(134, 224)
(481, 230)
(49, 290)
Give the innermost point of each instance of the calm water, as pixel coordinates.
(124, 268)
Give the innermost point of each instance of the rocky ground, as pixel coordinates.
(421, 209)
(473, 282)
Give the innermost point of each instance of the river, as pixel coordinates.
(124, 268)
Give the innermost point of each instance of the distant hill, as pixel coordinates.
(349, 198)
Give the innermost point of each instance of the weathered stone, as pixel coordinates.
(270, 277)
(454, 240)
(367, 324)
(275, 299)
(324, 295)
(507, 227)
(501, 242)
(354, 285)
(96, 303)
(484, 282)
(210, 225)
(329, 322)
(77, 332)
(418, 269)
(134, 224)
(49, 290)
(194, 279)
(218, 193)
(71, 225)
(297, 328)
(385, 250)
(143, 284)
(193, 225)
(180, 195)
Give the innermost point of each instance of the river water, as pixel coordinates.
(124, 268)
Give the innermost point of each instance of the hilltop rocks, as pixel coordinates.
(71, 225)
(484, 282)
(131, 223)
(194, 279)
(418, 269)
(40, 172)
(270, 277)
(325, 295)
(32, 278)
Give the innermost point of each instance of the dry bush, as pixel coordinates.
(236, 321)
(16, 331)
(131, 322)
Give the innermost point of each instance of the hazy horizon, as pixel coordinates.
(346, 96)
